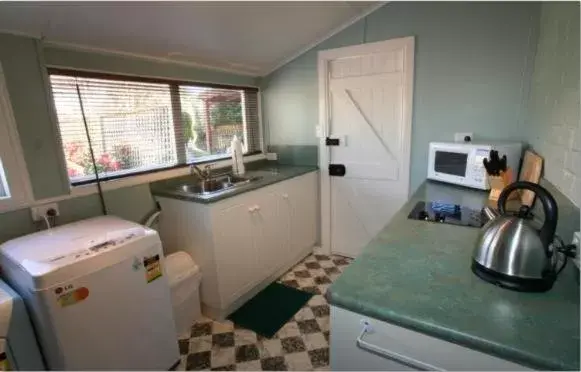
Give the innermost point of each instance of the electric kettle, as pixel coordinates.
(511, 252)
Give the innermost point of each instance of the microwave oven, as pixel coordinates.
(461, 163)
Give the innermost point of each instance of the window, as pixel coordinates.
(15, 190)
(137, 125)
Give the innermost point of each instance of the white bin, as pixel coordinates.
(184, 280)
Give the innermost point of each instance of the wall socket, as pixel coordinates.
(271, 156)
(39, 211)
(459, 137)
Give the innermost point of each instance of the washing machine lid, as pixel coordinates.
(47, 251)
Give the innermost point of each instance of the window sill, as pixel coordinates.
(89, 189)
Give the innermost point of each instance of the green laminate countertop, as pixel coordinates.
(417, 275)
(270, 172)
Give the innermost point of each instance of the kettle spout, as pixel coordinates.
(490, 213)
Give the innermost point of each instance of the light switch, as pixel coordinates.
(319, 131)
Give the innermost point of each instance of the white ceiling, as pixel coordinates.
(246, 37)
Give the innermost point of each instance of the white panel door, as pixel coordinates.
(367, 96)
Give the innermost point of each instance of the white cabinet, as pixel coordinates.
(302, 211)
(235, 251)
(387, 347)
(271, 232)
(244, 242)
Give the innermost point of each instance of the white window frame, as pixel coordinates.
(80, 188)
(12, 156)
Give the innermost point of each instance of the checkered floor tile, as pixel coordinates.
(302, 344)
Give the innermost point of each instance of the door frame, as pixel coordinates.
(324, 56)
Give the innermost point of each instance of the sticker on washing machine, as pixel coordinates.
(73, 297)
(4, 362)
(152, 267)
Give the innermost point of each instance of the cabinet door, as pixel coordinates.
(271, 232)
(302, 200)
(387, 347)
(235, 251)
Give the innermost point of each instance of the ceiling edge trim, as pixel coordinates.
(20, 33)
(333, 32)
(103, 51)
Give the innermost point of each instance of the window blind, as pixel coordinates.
(138, 125)
(3, 184)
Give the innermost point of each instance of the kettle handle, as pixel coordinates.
(550, 209)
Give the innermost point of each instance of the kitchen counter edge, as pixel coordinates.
(283, 172)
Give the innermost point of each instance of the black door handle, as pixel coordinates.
(337, 170)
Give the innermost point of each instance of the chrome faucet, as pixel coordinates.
(204, 175)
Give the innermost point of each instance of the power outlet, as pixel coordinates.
(271, 156)
(459, 137)
(40, 211)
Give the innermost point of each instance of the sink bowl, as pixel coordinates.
(204, 187)
(235, 180)
(216, 185)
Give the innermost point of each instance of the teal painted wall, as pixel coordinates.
(132, 203)
(473, 65)
(554, 129)
(24, 63)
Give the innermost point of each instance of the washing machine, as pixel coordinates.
(97, 294)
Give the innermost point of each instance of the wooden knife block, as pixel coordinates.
(498, 183)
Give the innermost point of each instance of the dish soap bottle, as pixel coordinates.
(237, 156)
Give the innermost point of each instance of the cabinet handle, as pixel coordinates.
(285, 196)
(391, 355)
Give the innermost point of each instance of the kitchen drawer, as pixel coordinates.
(388, 347)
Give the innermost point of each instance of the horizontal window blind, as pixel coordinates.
(143, 125)
(3, 184)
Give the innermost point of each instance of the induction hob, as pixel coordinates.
(454, 214)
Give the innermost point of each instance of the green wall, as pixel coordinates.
(473, 63)
(132, 203)
(24, 62)
(554, 130)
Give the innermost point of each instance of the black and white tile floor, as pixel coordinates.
(302, 344)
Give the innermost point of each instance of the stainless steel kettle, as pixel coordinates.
(513, 254)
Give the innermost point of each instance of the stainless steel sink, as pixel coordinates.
(216, 185)
(203, 187)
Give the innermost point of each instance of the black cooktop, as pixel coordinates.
(454, 214)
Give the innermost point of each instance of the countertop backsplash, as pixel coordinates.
(296, 154)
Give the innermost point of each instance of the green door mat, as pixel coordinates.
(270, 309)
